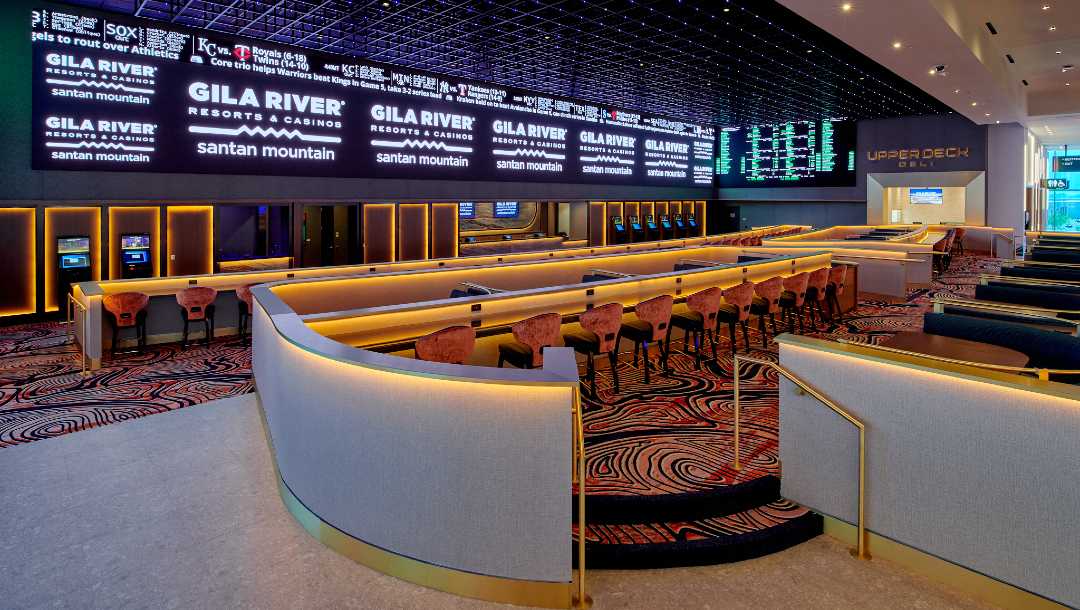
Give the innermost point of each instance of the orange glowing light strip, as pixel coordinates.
(192, 209)
(50, 250)
(427, 226)
(31, 256)
(155, 238)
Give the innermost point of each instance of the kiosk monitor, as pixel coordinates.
(650, 222)
(665, 221)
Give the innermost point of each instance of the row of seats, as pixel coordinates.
(801, 296)
(128, 310)
(753, 240)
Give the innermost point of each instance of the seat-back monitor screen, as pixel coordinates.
(121, 93)
(797, 153)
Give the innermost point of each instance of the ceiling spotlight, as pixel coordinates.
(1057, 52)
(386, 4)
(987, 114)
(1046, 7)
(973, 104)
(1052, 28)
(896, 45)
(997, 122)
(846, 7)
(956, 91)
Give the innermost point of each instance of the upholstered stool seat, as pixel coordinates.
(698, 319)
(652, 325)
(736, 312)
(835, 288)
(244, 305)
(793, 298)
(127, 310)
(531, 336)
(599, 335)
(197, 304)
(453, 345)
(816, 284)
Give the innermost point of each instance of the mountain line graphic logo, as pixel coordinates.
(291, 134)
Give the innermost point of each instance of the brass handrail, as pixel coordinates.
(1043, 374)
(860, 545)
(72, 304)
(581, 599)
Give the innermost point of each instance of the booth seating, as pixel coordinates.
(1045, 349)
(244, 305)
(699, 319)
(599, 335)
(833, 290)
(767, 303)
(816, 284)
(452, 345)
(653, 324)
(736, 310)
(1065, 301)
(531, 336)
(1064, 273)
(1055, 254)
(793, 299)
(127, 310)
(197, 303)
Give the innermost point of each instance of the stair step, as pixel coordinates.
(744, 535)
(719, 502)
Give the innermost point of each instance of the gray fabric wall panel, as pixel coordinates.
(985, 477)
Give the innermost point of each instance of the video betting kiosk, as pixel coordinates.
(680, 226)
(692, 223)
(651, 230)
(135, 255)
(665, 227)
(73, 265)
(620, 230)
(636, 232)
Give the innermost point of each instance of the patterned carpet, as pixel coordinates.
(671, 437)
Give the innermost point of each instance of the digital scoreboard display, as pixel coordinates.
(124, 94)
(797, 153)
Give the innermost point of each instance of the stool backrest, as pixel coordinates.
(604, 321)
(244, 294)
(818, 280)
(707, 303)
(837, 275)
(195, 300)
(454, 345)
(538, 332)
(797, 284)
(657, 312)
(960, 233)
(125, 306)
(770, 290)
(741, 296)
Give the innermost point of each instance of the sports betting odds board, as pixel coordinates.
(126, 94)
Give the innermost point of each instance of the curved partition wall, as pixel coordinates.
(426, 471)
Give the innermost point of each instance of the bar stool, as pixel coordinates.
(815, 293)
(531, 336)
(767, 302)
(197, 303)
(835, 288)
(452, 345)
(127, 310)
(653, 324)
(959, 240)
(700, 319)
(599, 335)
(793, 298)
(244, 306)
(736, 310)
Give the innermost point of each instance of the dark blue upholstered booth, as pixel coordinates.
(1036, 297)
(1044, 348)
(1043, 273)
(1051, 255)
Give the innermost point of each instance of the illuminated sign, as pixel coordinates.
(467, 209)
(125, 94)
(1067, 164)
(506, 209)
(796, 153)
(1056, 184)
(918, 157)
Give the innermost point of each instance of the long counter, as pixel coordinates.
(164, 322)
(428, 471)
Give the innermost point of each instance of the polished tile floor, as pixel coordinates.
(180, 510)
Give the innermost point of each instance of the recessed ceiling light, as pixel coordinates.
(998, 122)
(956, 91)
(1057, 52)
(896, 45)
(845, 7)
(974, 103)
(727, 10)
(933, 71)
(1046, 7)
(1052, 28)
(987, 114)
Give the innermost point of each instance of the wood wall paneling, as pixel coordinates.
(65, 221)
(444, 230)
(18, 249)
(597, 223)
(190, 239)
(140, 219)
(379, 232)
(412, 231)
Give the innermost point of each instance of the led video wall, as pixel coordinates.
(135, 95)
(797, 153)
